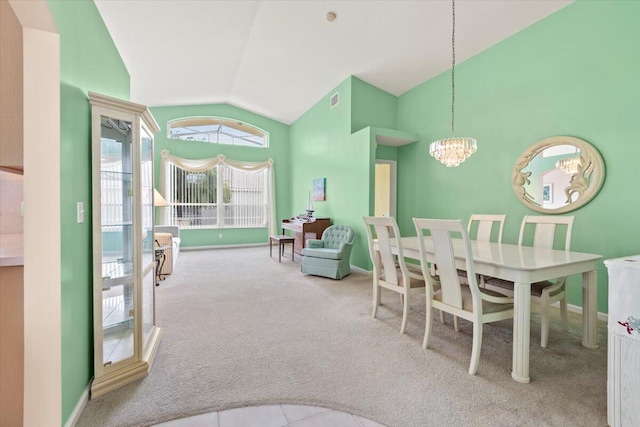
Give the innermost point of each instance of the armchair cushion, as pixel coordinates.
(314, 243)
(322, 253)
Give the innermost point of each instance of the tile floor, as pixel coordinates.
(274, 416)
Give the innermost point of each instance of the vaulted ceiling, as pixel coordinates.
(278, 58)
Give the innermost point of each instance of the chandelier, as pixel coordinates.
(569, 165)
(455, 150)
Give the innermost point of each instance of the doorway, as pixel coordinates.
(385, 188)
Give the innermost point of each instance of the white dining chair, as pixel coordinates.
(471, 302)
(482, 228)
(390, 271)
(546, 292)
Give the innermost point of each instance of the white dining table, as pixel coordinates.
(524, 265)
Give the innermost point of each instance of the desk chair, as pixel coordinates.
(547, 292)
(390, 271)
(471, 302)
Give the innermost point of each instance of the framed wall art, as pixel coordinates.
(319, 189)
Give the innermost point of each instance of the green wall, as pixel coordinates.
(371, 106)
(89, 61)
(573, 73)
(278, 150)
(323, 146)
(386, 152)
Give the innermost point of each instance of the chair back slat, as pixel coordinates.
(543, 236)
(485, 225)
(484, 231)
(442, 232)
(443, 247)
(388, 259)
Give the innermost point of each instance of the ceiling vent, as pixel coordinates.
(335, 98)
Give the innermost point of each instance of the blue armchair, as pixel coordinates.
(329, 256)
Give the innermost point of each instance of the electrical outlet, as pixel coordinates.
(220, 236)
(80, 212)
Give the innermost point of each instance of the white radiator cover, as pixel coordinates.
(623, 352)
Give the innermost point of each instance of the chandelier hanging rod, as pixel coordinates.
(454, 150)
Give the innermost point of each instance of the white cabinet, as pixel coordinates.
(125, 334)
(623, 352)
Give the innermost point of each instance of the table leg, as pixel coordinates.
(270, 248)
(521, 331)
(589, 309)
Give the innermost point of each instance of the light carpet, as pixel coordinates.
(242, 329)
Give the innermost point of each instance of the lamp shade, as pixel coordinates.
(158, 200)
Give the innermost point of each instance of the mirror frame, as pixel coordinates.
(593, 174)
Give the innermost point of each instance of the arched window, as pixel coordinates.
(217, 130)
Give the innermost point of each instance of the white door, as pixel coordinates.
(385, 191)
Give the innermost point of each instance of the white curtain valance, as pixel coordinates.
(203, 165)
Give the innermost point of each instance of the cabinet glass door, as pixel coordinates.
(146, 189)
(118, 296)
(148, 281)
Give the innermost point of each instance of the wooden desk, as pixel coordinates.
(524, 265)
(303, 231)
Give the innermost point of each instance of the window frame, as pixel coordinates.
(221, 122)
(221, 206)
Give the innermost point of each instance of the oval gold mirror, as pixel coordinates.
(558, 174)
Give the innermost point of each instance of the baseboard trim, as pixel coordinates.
(577, 309)
(361, 270)
(77, 410)
(243, 245)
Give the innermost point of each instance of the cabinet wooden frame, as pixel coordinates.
(136, 238)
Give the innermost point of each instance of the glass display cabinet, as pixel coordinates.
(125, 334)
